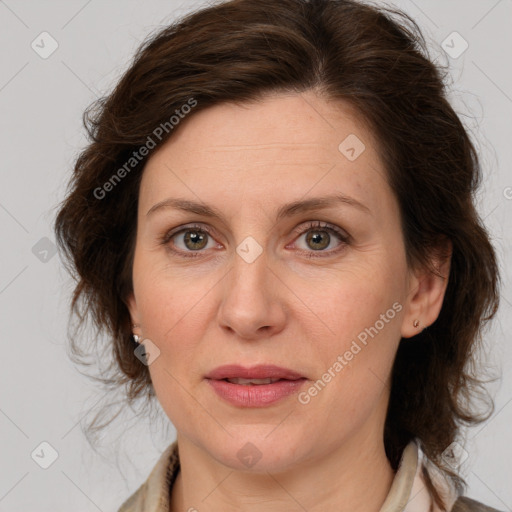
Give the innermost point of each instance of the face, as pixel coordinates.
(239, 262)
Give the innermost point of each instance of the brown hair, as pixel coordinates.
(372, 58)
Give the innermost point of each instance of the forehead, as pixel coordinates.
(275, 124)
(291, 141)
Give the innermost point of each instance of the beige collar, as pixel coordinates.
(408, 491)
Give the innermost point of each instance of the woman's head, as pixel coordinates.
(246, 107)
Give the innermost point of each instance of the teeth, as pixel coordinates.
(252, 382)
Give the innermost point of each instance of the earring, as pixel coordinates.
(416, 323)
(136, 338)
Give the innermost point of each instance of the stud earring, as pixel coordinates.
(416, 323)
(136, 337)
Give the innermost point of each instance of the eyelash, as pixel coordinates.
(310, 226)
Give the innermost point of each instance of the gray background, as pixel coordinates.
(43, 397)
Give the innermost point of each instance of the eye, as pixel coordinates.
(318, 237)
(189, 239)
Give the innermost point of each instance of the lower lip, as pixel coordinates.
(255, 396)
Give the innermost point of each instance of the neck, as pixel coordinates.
(355, 477)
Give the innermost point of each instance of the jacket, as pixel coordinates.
(407, 492)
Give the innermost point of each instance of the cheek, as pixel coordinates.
(172, 318)
(355, 346)
(166, 300)
(175, 312)
(171, 315)
(345, 303)
(355, 331)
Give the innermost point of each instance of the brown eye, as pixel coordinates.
(188, 241)
(195, 239)
(318, 240)
(318, 237)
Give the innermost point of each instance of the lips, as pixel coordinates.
(258, 386)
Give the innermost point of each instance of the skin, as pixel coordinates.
(284, 308)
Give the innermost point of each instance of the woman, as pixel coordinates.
(274, 224)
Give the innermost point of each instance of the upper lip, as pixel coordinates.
(232, 371)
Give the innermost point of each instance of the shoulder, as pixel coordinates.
(464, 504)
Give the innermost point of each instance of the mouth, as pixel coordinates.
(258, 386)
(251, 382)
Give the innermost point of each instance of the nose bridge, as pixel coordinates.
(251, 252)
(249, 302)
(249, 276)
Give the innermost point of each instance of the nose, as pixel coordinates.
(252, 300)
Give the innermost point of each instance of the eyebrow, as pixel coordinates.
(287, 210)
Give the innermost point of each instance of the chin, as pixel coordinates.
(257, 451)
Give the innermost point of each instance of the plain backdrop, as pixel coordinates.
(44, 398)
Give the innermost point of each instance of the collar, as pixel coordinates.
(408, 492)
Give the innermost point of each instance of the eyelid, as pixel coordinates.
(319, 225)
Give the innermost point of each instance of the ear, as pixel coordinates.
(426, 292)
